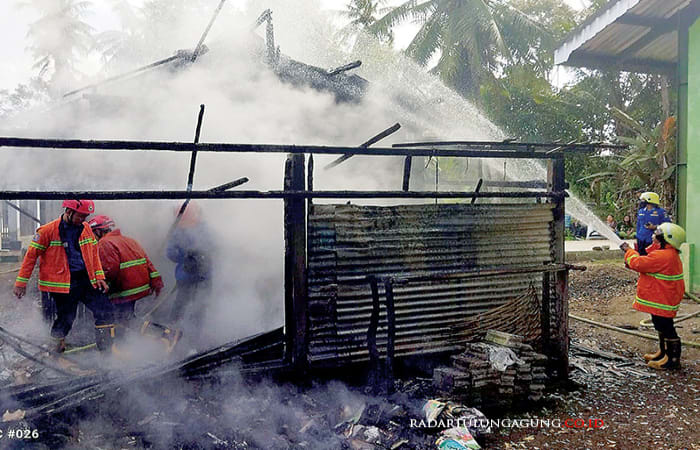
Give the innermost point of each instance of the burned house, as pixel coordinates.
(367, 287)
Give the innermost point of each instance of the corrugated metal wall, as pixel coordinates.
(348, 242)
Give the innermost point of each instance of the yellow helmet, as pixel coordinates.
(672, 233)
(650, 197)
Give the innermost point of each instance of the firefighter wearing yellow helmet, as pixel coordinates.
(660, 289)
(649, 217)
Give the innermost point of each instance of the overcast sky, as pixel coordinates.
(17, 62)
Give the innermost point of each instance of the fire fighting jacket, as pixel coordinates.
(660, 287)
(129, 271)
(54, 273)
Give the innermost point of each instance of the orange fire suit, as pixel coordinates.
(54, 273)
(128, 269)
(660, 287)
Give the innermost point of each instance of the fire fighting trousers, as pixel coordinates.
(187, 311)
(664, 325)
(124, 313)
(67, 305)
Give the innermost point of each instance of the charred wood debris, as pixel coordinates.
(230, 397)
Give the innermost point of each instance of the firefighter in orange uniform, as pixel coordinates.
(70, 269)
(660, 289)
(128, 270)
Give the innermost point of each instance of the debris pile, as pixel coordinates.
(498, 372)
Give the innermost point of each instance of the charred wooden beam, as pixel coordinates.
(392, 129)
(200, 44)
(161, 62)
(22, 211)
(560, 312)
(407, 172)
(532, 147)
(295, 267)
(345, 67)
(486, 150)
(190, 175)
(229, 185)
(179, 195)
(477, 189)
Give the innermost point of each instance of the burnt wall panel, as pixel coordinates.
(348, 242)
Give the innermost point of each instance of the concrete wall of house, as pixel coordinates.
(689, 149)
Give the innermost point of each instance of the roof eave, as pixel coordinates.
(591, 27)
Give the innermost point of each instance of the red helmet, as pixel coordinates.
(101, 222)
(81, 206)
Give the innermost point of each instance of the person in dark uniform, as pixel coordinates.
(649, 217)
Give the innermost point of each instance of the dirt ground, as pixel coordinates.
(631, 406)
(641, 408)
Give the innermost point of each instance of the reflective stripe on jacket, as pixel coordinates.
(129, 271)
(660, 287)
(54, 274)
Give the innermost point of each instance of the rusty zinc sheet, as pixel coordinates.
(348, 242)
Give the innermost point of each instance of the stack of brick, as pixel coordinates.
(474, 379)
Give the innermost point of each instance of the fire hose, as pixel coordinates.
(647, 322)
(632, 332)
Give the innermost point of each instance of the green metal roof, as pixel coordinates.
(630, 35)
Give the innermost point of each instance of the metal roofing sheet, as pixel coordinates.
(608, 33)
(348, 242)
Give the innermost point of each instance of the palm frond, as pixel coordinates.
(401, 13)
(427, 40)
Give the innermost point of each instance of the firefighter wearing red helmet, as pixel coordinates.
(70, 269)
(128, 269)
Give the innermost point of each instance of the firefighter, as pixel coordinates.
(660, 289)
(70, 269)
(649, 216)
(128, 270)
(190, 247)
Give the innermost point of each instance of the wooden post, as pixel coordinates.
(560, 309)
(295, 286)
(406, 172)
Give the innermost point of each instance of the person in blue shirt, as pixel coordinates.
(190, 246)
(649, 216)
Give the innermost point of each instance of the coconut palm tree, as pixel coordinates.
(59, 38)
(364, 13)
(471, 38)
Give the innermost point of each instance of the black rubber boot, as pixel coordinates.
(673, 350)
(672, 359)
(104, 337)
(660, 353)
(58, 345)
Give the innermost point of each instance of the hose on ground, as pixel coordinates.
(632, 332)
(647, 322)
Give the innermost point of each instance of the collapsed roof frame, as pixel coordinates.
(298, 187)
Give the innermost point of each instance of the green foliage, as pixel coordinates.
(499, 53)
(471, 38)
